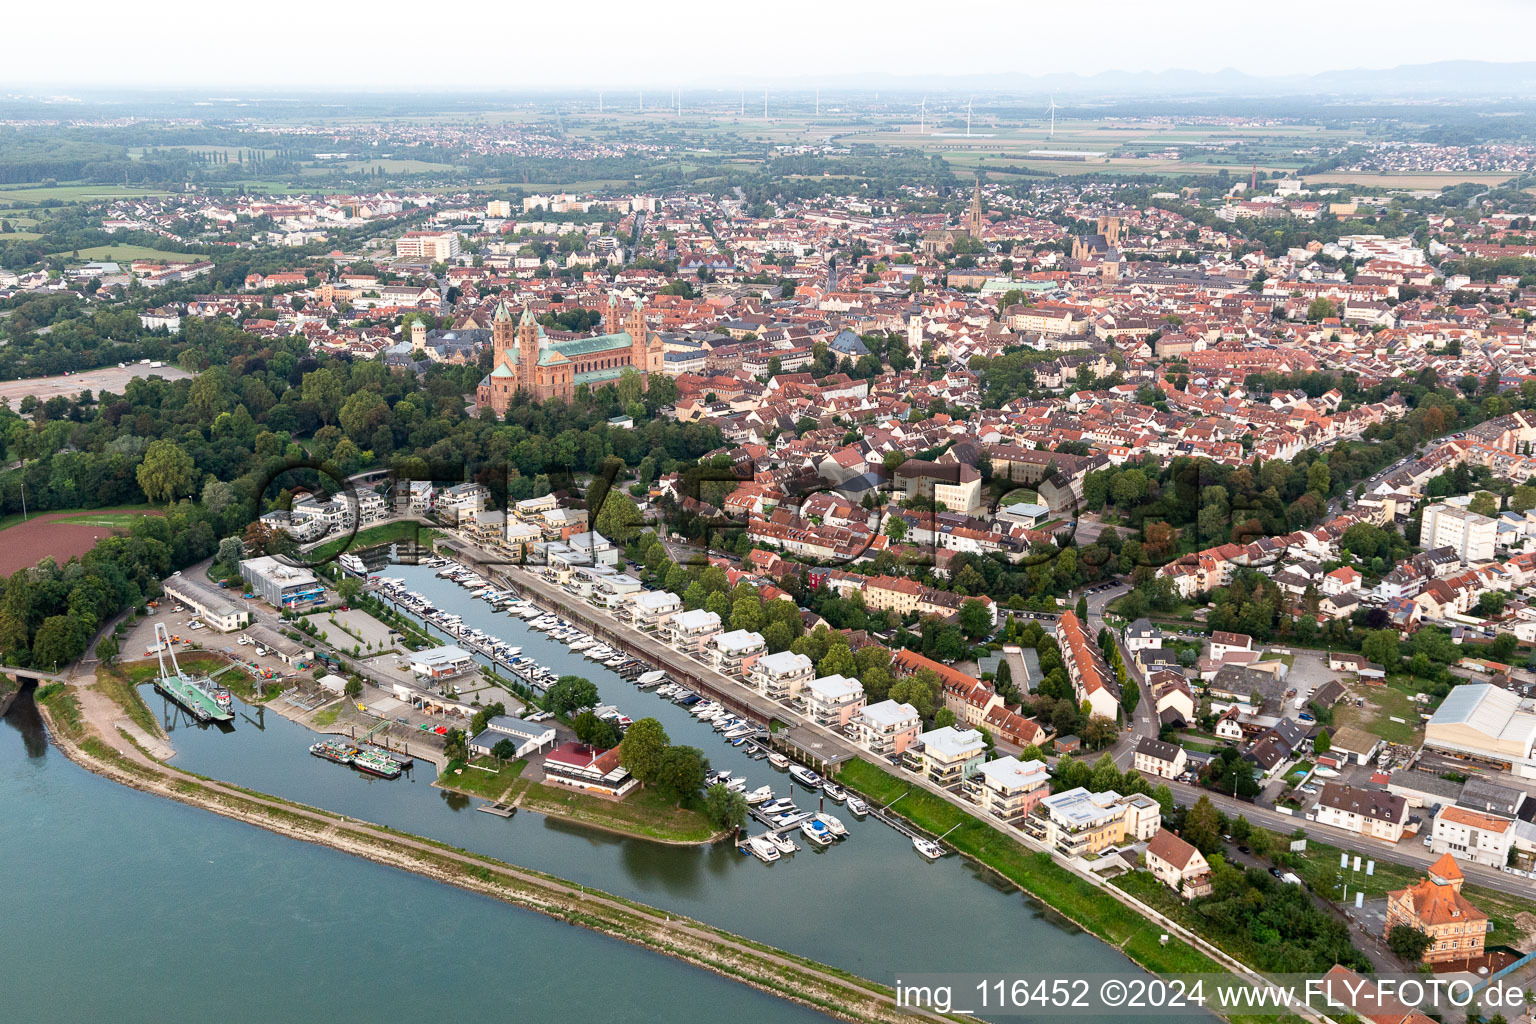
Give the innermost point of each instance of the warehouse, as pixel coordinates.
(1488, 723)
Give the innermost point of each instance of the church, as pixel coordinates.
(528, 360)
(944, 239)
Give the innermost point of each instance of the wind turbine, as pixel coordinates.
(818, 102)
(923, 129)
(968, 117)
(1052, 110)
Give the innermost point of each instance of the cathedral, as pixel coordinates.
(529, 361)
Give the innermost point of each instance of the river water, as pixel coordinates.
(126, 907)
(869, 904)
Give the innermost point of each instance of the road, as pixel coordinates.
(1144, 722)
(1410, 851)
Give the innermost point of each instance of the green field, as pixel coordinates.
(116, 520)
(124, 253)
(482, 778)
(78, 192)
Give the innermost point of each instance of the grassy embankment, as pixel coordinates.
(643, 813)
(1036, 873)
(388, 533)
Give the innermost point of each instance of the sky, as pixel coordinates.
(282, 45)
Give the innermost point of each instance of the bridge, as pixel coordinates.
(32, 673)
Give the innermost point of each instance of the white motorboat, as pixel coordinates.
(738, 732)
(736, 784)
(804, 776)
(717, 776)
(857, 806)
(836, 827)
(651, 678)
(783, 805)
(777, 759)
(927, 847)
(834, 791)
(759, 795)
(816, 832)
(582, 644)
(783, 842)
(792, 817)
(763, 848)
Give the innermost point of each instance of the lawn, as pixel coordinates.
(1382, 704)
(484, 777)
(1319, 867)
(407, 530)
(125, 253)
(644, 812)
(1035, 873)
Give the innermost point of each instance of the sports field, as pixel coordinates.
(60, 535)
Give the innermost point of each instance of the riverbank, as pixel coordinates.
(85, 740)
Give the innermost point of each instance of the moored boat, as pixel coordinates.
(857, 806)
(816, 832)
(835, 792)
(759, 795)
(927, 847)
(834, 826)
(777, 759)
(763, 848)
(804, 776)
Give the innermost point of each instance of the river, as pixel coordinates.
(127, 907)
(869, 904)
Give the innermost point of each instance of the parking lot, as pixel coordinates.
(138, 642)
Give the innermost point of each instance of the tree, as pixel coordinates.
(107, 649)
(619, 517)
(570, 693)
(1408, 942)
(1322, 742)
(1202, 826)
(975, 618)
(1381, 646)
(504, 750)
(1490, 603)
(681, 772)
(594, 731)
(1484, 503)
(1081, 609)
(59, 640)
(167, 472)
(1503, 646)
(943, 717)
(725, 808)
(354, 687)
(641, 751)
(456, 745)
(229, 554)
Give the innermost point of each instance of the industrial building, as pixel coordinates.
(281, 585)
(211, 604)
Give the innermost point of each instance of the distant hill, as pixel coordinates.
(1441, 78)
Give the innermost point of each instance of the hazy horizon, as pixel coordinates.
(385, 48)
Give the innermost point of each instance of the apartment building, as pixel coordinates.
(1008, 788)
(892, 594)
(1368, 812)
(650, 610)
(887, 729)
(1468, 534)
(779, 676)
(736, 651)
(1159, 759)
(1480, 838)
(433, 246)
(1079, 823)
(1092, 680)
(947, 755)
(692, 632)
(834, 700)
